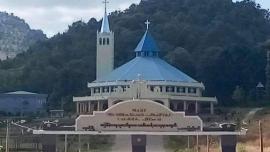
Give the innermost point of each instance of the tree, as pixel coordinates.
(238, 94)
(266, 45)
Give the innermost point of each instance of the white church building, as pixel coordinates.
(146, 76)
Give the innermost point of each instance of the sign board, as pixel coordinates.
(138, 115)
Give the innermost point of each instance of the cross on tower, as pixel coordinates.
(105, 2)
(147, 24)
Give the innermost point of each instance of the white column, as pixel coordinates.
(98, 106)
(81, 108)
(101, 90)
(164, 89)
(197, 107)
(89, 107)
(109, 89)
(185, 106)
(198, 92)
(92, 91)
(212, 108)
(66, 143)
(84, 105)
(78, 107)
(186, 90)
(79, 145)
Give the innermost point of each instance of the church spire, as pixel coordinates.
(105, 28)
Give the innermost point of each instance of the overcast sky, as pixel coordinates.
(53, 16)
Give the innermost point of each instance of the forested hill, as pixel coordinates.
(217, 42)
(16, 35)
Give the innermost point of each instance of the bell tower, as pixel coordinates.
(105, 47)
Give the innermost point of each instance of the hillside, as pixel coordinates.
(16, 36)
(217, 42)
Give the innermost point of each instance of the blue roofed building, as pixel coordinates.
(146, 76)
(22, 102)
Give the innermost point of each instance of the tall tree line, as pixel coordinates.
(217, 42)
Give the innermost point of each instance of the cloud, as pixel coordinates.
(53, 16)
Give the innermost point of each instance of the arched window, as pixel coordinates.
(108, 41)
(104, 41)
(100, 41)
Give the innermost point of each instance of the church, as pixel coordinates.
(146, 76)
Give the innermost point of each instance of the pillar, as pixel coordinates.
(79, 144)
(186, 90)
(212, 108)
(98, 106)
(185, 106)
(101, 90)
(78, 108)
(198, 92)
(196, 107)
(92, 91)
(82, 104)
(164, 89)
(89, 107)
(110, 89)
(66, 143)
(81, 108)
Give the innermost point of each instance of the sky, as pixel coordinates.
(53, 16)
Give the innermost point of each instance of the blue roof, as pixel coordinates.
(147, 44)
(150, 69)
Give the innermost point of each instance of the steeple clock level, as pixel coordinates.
(105, 47)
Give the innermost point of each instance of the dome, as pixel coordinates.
(147, 68)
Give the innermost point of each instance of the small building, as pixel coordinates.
(21, 102)
(57, 113)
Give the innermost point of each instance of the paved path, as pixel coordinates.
(123, 144)
(251, 114)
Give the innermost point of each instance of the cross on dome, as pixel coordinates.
(147, 24)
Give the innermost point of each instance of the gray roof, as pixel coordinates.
(147, 68)
(21, 93)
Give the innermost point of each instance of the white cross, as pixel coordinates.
(147, 24)
(105, 2)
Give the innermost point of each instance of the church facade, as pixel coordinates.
(147, 77)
